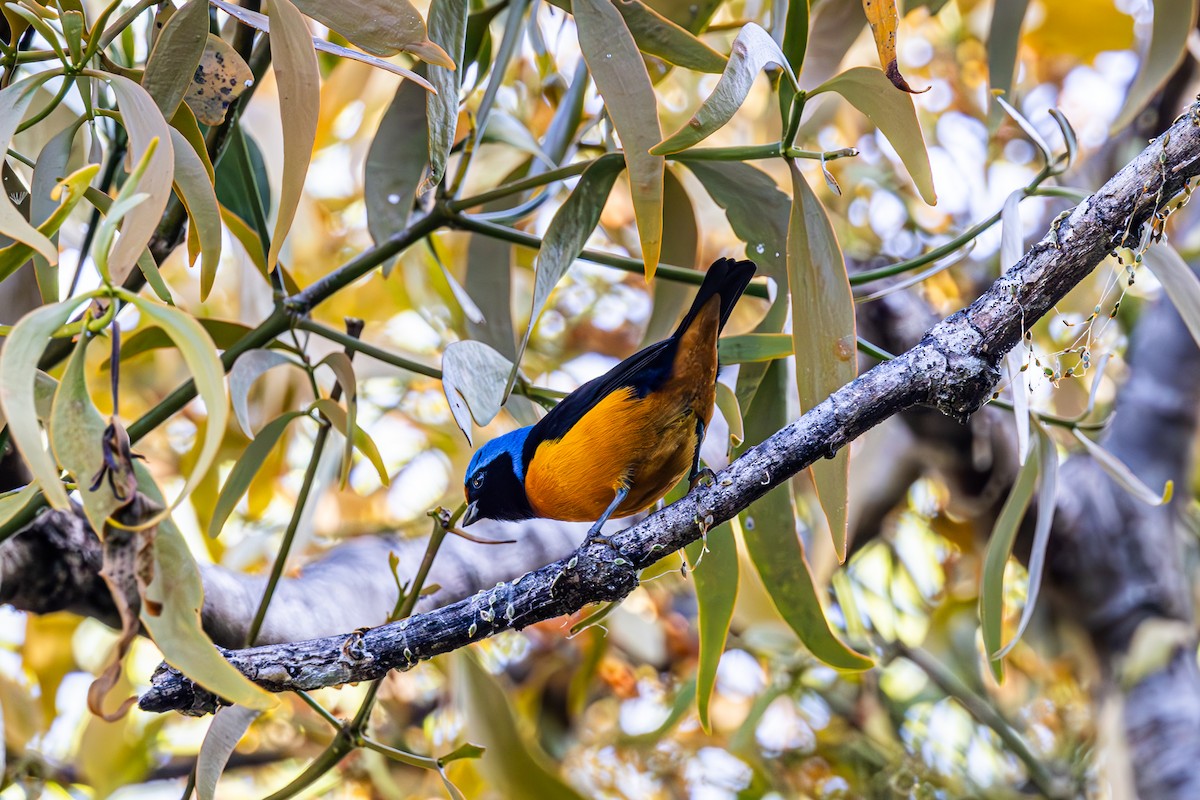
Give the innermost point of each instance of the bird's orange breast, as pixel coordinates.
(643, 443)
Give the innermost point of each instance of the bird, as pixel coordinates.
(618, 443)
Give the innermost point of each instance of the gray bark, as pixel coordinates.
(952, 369)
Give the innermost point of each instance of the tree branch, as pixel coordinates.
(953, 369)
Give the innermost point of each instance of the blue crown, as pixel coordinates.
(512, 443)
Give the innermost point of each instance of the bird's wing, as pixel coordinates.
(645, 370)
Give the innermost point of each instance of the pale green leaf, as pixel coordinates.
(176, 55)
(753, 347)
(49, 170)
(1000, 545)
(473, 377)
(18, 371)
(69, 191)
(658, 36)
(1004, 36)
(1029, 130)
(769, 530)
(178, 595)
(731, 410)
(1180, 283)
(249, 366)
(14, 100)
(823, 336)
(246, 468)
(682, 248)
(229, 724)
(714, 563)
(200, 355)
(751, 51)
(343, 369)
(1012, 247)
(381, 27)
(869, 90)
(1122, 475)
(620, 74)
(1173, 21)
(196, 190)
(294, 62)
(395, 163)
(362, 441)
(447, 29)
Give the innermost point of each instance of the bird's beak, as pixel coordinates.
(471, 515)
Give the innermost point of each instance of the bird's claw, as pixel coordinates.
(704, 477)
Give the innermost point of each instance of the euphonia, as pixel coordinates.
(618, 443)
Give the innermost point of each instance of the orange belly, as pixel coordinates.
(645, 444)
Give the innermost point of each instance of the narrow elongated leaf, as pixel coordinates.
(294, 62)
(752, 50)
(473, 377)
(893, 113)
(362, 442)
(249, 366)
(227, 728)
(1012, 247)
(448, 30)
(247, 466)
(753, 347)
(1028, 129)
(793, 45)
(68, 192)
(381, 27)
(144, 123)
(680, 248)
(344, 370)
(1173, 21)
(885, 21)
(1178, 281)
(395, 163)
(77, 436)
(715, 574)
(516, 766)
(731, 410)
(1000, 545)
(1004, 36)
(243, 189)
(18, 370)
(219, 80)
(573, 223)
(489, 274)
(658, 36)
(14, 100)
(755, 207)
(1120, 473)
(262, 23)
(200, 355)
(178, 595)
(823, 335)
(14, 502)
(176, 55)
(225, 333)
(1047, 496)
(620, 74)
(50, 168)
(769, 530)
(204, 215)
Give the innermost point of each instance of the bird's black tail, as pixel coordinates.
(726, 278)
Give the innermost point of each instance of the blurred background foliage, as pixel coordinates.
(610, 711)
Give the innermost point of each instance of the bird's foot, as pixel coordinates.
(704, 477)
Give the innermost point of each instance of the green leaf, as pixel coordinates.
(244, 189)
(126, 201)
(1181, 285)
(755, 207)
(658, 36)
(144, 123)
(262, 23)
(229, 724)
(1029, 130)
(200, 355)
(18, 370)
(249, 366)
(178, 595)
(681, 248)
(1003, 38)
(823, 336)
(466, 750)
(294, 62)
(869, 90)
(381, 27)
(752, 50)
(77, 435)
(568, 232)
(1047, 499)
(1122, 475)
(196, 190)
(795, 42)
(769, 530)
(14, 100)
(692, 16)
(14, 502)
(49, 170)
(473, 378)
(176, 55)
(69, 191)
(515, 766)
(447, 29)
(1012, 247)
(753, 347)
(622, 80)
(395, 163)
(224, 333)
(727, 402)
(247, 466)
(489, 274)
(1173, 21)
(1000, 544)
(343, 369)
(714, 563)
(362, 442)
(145, 261)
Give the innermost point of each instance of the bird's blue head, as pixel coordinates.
(495, 482)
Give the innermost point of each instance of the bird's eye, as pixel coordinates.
(478, 481)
